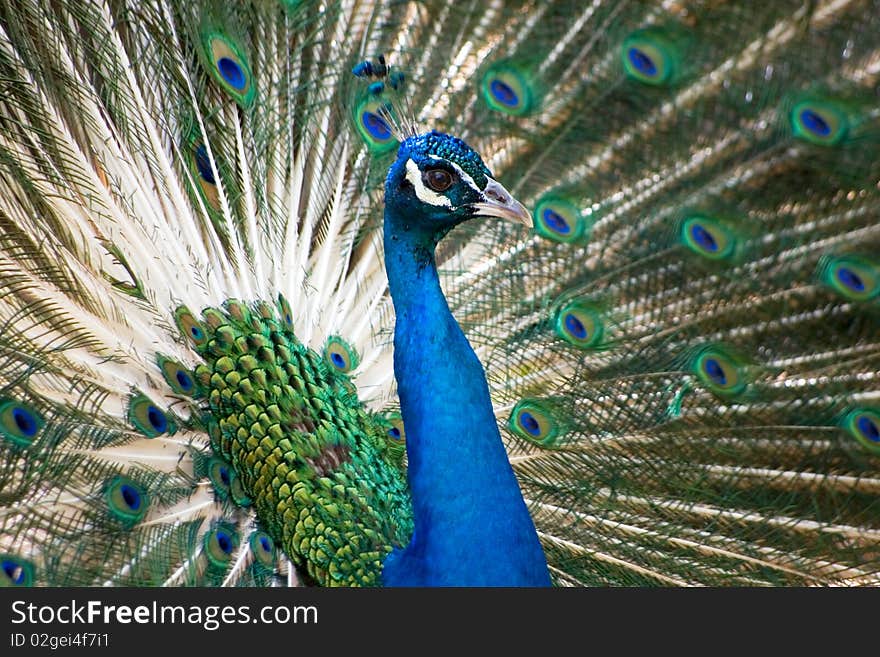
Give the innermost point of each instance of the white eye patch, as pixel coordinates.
(414, 176)
(427, 195)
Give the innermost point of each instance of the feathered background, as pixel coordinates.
(692, 326)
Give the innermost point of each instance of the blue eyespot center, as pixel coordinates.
(529, 423)
(813, 122)
(184, 380)
(224, 475)
(25, 422)
(288, 318)
(394, 432)
(265, 544)
(157, 419)
(715, 371)
(641, 62)
(868, 428)
(554, 221)
(850, 279)
(503, 93)
(224, 542)
(376, 126)
(203, 164)
(13, 571)
(575, 326)
(703, 238)
(338, 360)
(232, 73)
(196, 332)
(131, 497)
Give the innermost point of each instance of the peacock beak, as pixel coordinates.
(498, 202)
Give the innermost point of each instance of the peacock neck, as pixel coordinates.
(471, 524)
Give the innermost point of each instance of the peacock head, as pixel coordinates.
(437, 182)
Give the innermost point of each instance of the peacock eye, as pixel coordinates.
(438, 179)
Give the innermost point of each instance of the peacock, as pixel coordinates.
(418, 293)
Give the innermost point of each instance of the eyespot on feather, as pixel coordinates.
(581, 324)
(853, 277)
(559, 219)
(204, 175)
(148, 418)
(16, 571)
(20, 423)
(340, 355)
(192, 328)
(653, 56)
(709, 237)
(179, 378)
(228, 65)
(221, 475)
(372, 126)
(220, 544)
(263, 548)
(863, 424)
(285, 312)
(127, 500)
(396, 433)
(507, 88)
(534, 420)
(720, 370)
(820, 121)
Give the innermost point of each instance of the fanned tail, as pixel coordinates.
(148, 168)
(686, 349)
(683, 354)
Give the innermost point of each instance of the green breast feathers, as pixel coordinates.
(324, 475)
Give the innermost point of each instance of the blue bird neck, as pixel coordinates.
(472, 526)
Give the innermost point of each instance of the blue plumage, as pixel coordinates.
(471, 524)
